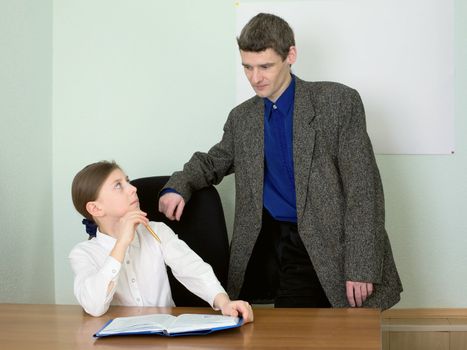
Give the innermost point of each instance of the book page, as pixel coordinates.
(155, 322)
(193, 322)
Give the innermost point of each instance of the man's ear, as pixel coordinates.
(292, 55)
(94, 209)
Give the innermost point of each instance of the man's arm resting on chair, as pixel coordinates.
(171, 204)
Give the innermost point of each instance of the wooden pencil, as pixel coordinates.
(152, 232)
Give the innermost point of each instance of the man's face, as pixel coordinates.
(267, 73)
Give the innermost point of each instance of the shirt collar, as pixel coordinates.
(109, 242)
(285, 101)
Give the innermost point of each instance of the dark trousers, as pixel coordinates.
(280, 271)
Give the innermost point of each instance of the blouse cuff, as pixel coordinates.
(111, 268)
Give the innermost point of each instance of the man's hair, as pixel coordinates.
(266, 31)
(87, 184)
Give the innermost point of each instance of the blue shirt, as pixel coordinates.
(279, 181)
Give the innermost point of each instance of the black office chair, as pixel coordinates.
(202, 227)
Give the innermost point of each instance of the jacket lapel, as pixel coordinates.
(303, 142)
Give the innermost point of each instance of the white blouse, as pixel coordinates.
(141, 280)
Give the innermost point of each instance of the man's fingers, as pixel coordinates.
(170, 211)
(179, 211)
(363, 291)
(370, 288)
(162, 205)
(167, 208)
(169, 205)
(350, 293)
(358, 294)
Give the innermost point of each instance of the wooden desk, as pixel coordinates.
(63, 327)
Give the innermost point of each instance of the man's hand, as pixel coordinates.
(357, 292)
(171, 205)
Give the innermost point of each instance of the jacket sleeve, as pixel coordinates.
(187, 266)
(94, 287)
(364, 200)
(205, 169)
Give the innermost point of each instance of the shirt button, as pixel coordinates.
(133, 280)
(274, 106)
(128, 261)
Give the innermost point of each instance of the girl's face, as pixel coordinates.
(117, 196)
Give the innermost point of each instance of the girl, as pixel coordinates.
(123, 264)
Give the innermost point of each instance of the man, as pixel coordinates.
(309, 214)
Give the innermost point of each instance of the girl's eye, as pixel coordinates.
(118, 185)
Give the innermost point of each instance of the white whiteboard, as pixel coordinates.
(397, 53)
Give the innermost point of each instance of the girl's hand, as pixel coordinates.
(125, 232)
(238, 308)
(126, 226)
(234, 308)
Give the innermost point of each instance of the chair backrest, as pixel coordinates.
(202, 227)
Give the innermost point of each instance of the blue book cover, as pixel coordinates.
(168, 325)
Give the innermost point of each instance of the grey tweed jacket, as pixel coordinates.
(340, 203)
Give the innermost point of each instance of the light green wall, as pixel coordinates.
(426, 205)
(147, 83)
(26, 253)
(132, 82)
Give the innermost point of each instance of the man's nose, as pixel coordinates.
(256, 76)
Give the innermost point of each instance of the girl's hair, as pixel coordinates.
(88, 182)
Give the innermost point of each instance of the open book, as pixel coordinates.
(168, 325)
